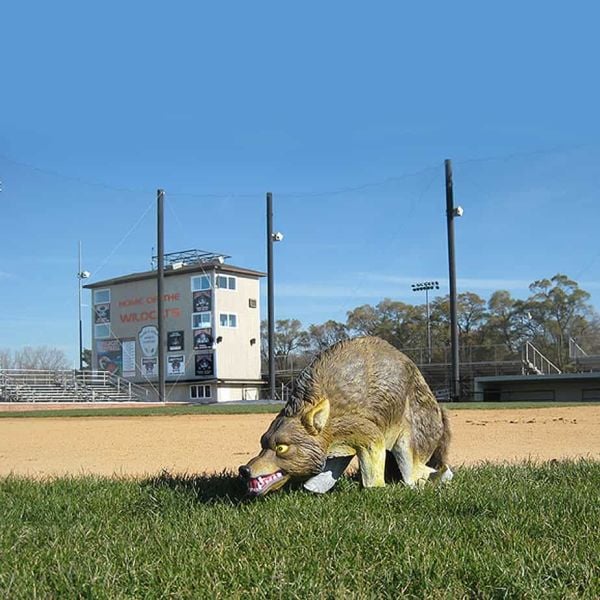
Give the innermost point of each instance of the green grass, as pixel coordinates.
(528, 531)
(240, 409)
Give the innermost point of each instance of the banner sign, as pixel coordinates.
(175, 365)
(128, 347)
(102, 313)
(203, 338)
(150, 367)
(109, 356)
(175, 341)
(202, 301)
(204, 365)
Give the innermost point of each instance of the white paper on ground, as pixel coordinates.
(447, 475)
(327, 478)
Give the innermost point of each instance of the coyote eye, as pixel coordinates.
(281, 448)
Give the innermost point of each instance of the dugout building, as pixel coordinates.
(211, 325)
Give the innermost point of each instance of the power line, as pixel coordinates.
(290, 194)
(506, 157)
(122, 241)
(74, 178)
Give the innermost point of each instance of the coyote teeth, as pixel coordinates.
(260, 483)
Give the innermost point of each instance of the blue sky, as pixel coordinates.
(344, 110)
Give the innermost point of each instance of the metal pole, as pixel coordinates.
(160, 294)
(428, 326)
(450, 214)
(80, 324)
(270, 296)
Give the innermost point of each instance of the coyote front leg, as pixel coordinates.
(371, 459)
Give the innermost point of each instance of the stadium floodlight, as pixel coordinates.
(427, 286)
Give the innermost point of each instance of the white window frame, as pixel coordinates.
(200, 386)
(200, 278)
(96, 292)
(202, 325)
(228, 325)
(101, 337)
(229, 279)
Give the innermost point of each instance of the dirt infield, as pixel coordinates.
(210, 443)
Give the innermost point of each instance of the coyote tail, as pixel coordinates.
(440, 454)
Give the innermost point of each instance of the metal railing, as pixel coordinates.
(575, 350)
(106, 379)
(467, 354)
(33, 385)
(537, 362)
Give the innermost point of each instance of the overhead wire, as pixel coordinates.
(124, 238)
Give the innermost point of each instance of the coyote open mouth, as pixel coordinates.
(262, 483)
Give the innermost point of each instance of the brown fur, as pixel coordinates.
(363, 397)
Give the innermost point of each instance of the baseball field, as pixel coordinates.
(149, 507)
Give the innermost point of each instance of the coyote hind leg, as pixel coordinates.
(413, 467)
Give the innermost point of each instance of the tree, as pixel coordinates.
(503, 325)
(86, 358)
(363, 320)
(470, 314)
(288, 338)
(6, 358)
(321, 337)
(35, 357)
(556, 311)
(402, 325)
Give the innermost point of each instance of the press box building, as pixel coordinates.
(211, 328)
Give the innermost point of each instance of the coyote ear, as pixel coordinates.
(316, 418)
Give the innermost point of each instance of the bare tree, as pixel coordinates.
(6, 358)
(40, 357)
(288, 342)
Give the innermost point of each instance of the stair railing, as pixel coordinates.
(537, 362)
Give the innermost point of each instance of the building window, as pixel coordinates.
(201, 282)
(101, 296)
(200, 391)
(226, 283)
(252, 302)
(201, 320)
(228, 320)
(102, 331)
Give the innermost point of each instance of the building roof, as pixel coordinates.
(188, 269)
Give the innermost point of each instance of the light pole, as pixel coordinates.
(81, 275)
(451, 213)
(426, 286)
(271, 237)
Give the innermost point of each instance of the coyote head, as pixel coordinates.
(294, 447)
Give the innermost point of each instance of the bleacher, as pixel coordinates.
(475, 361)
(585, 362)
(39, 385)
